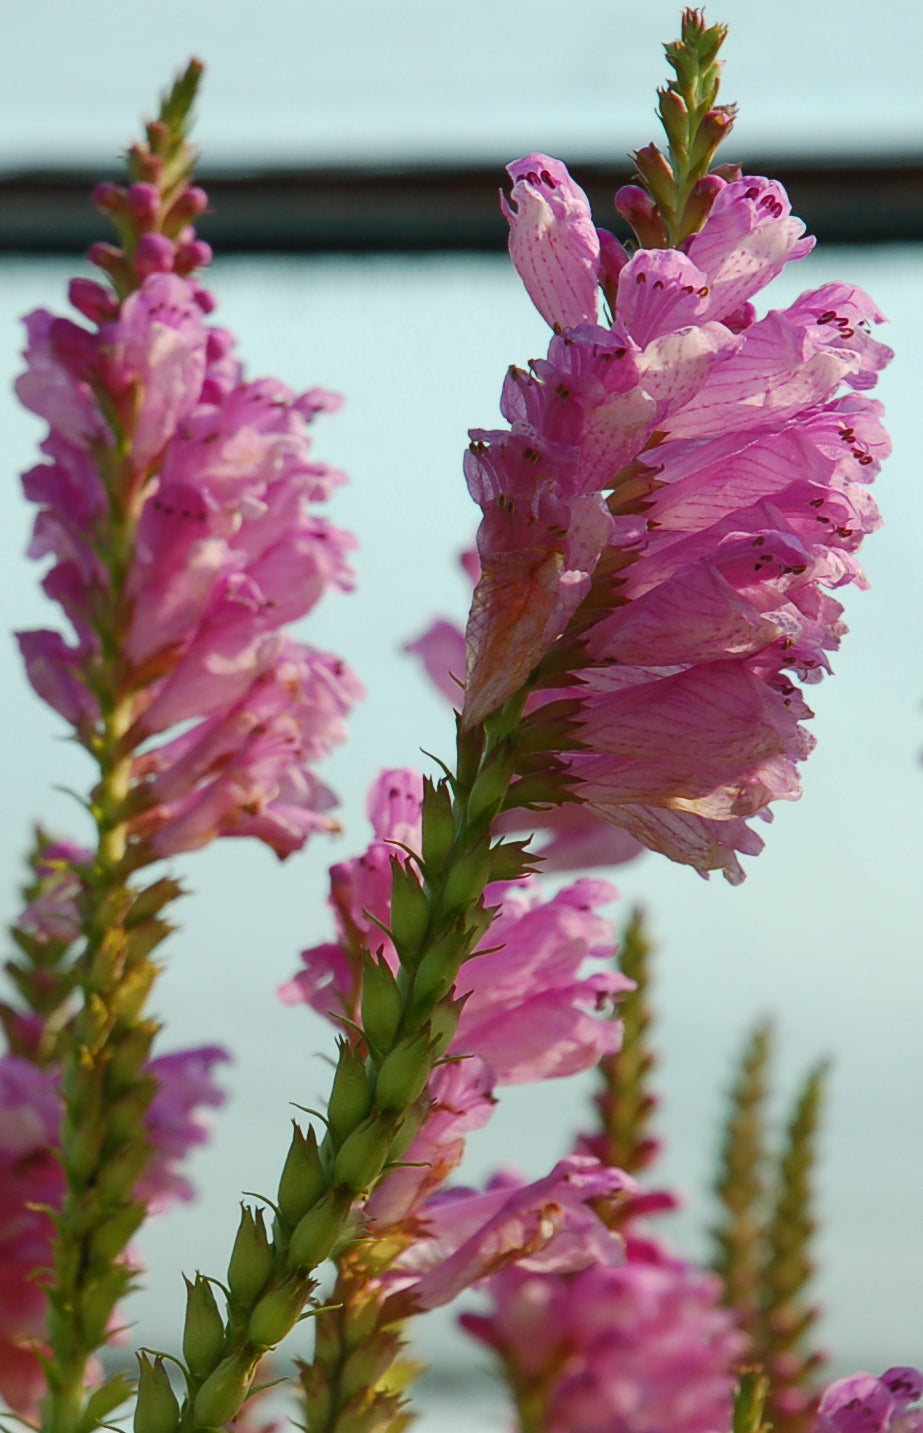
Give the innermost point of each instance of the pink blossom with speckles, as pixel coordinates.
(216, 493)
(664, 520)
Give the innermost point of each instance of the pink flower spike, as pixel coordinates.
(553, 242)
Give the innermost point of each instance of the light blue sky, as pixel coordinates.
(826, 931)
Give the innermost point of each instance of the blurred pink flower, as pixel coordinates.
(635, 1348)
(191, 493)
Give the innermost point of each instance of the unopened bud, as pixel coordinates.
(276, 1313)
(317, 1232)
(361, 1157)
(382, 1006)
(409, 910)
(251, 1258)
(438, 826)
(303, 1177)
(351, 1096)
(466, 878)
(157, 1409)
(223, 1392)
(404, 1072)
(203, 1331)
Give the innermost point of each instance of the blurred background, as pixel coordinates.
(402, 118)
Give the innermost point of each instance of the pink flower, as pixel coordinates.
(664, 519)
(863, 1403)
(30, 1177)
(179, 507)
(631, 1348)
(468, 1235)
(530, 1011)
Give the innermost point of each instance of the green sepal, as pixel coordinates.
(466, 878)
(510, 860)
(438, 826)
(315, 1394)
(126, 1112)
(145, 938)
(120, 1171)
(303, 1177)
(157, 1408)
(277, 1312)
(316, 1233)
(490, 786)
(363, 1154)
(367, 1363)
(99, 1298)
(750, 1397)
(203, 1330)
(436, 972)
(351, 1096)
(150, 902)
(109, 1240)
(404, 1071)
(223, 1392)
(410, 910)
(129, 1056)
(103, 1401)
(382, 1006)
(251, 1258)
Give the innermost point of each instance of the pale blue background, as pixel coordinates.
(826, 931)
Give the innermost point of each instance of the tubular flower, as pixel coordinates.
(178, 503)
(526, 1010)
(662, 522)
(863, 1403)
(625, 1348)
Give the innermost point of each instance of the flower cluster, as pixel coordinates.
(525, 1011)
(677, 490)
(178, 503)
(639, 1346)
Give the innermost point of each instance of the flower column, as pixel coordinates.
(177, 505)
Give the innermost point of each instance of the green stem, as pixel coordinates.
(378, 1101)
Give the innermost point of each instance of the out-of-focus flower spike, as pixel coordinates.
(740, 1183)
(625, 1102)
(786, 1317)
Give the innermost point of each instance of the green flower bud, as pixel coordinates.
(99, 1298)
(223, 1392)
(367, 1363)
(404, 1072)
(382, 1006)
(151, 901)
(410, 910)
(315, 1390)
(351, 1096)
(316, 1233)
(110, 1238)
(157, 1409)
(203, 1331)
(466, 878)
(129, 1057)
(277, 1312)
(362, 1155)
(438, 826)
(251, 1258)
(120, 1172)
(436, 974)
(303, 1177)
(104, 1400)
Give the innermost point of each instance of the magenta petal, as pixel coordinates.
(553, 240)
